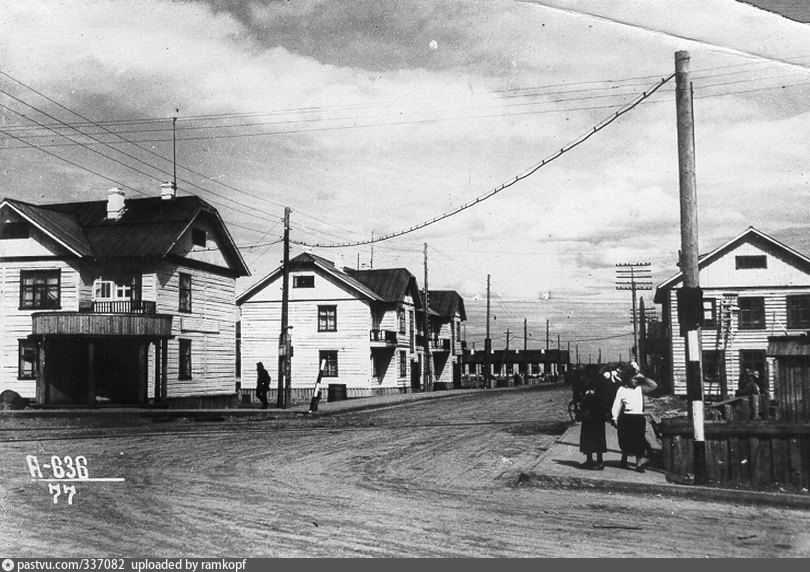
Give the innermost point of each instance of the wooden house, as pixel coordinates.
(365, 324)
(123, 301)
(540, 364)
(754, 287)
(445, 338)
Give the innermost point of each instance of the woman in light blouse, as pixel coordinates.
(628, 416)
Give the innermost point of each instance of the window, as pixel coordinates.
(709, 313)
(330, 360)
(198, 237)
(403, 364)
(712, 365)
(401, 320)
(29, 359)
(798, 311)
(39, 289)
(185, 359)
(327, 318)
(14, 230)
(752, 313)
(412, 331)
(185, 292)
(103, 290)
(746, 262)
(305, 281)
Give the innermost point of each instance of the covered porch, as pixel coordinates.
(99, 359)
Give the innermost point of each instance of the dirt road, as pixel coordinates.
(430, 479)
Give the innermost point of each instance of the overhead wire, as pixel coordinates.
(598, 127)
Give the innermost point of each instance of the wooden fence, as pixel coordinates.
(761, 455)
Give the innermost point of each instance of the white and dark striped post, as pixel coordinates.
(690, 296)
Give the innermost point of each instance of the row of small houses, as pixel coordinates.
(133, 301)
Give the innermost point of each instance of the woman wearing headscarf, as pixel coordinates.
(627, 414)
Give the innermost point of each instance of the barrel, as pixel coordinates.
(336, 392)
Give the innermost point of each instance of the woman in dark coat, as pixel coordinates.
(594, 412)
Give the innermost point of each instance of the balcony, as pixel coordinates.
(133, 325)
(440, 344)
(383, 338)
(119, 307)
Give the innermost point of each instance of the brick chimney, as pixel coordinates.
(168, 191)
(115, 203)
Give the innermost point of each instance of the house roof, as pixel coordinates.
(148, 227)
(390, 284)
(381, 285)
(309, 261)
(447, 303)
(751, 235)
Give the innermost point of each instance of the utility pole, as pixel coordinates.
(525, 351)
(428, 358)
(487, 347)
(545, 362)
(634, 276)
(690, 296)
(282, 399)
(642, 335)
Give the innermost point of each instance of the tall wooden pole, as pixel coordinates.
(487, 347)
(690, 299)
(284, 336)
(525, 351)
(428, 363)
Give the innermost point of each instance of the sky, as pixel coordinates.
(370, 118)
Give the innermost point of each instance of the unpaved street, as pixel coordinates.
(437, 478)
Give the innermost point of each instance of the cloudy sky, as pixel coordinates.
(367, 118)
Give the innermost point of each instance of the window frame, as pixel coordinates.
(712, 360)
(330, 360)
(751, 318)
(303, 281)
(325, 312)
(401, 321)
(709, 322)
(26, 344)
(750, 262)
(184, 359)
(184, 303)
(403, 364)
(803, 321)
(35, 288)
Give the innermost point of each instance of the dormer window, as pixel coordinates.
(198, 237)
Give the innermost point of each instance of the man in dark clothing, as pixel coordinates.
(262, 384)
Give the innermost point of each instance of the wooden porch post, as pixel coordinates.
(164, 363)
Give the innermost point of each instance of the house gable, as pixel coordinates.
(751, 260)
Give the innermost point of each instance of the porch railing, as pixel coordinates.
(387, 336)
(121, 307)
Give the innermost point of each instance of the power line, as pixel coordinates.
(604, 123)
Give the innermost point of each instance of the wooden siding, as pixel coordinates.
(780, 278)
(211, 253)
(213, 353)
(16, 323)
(261, 326)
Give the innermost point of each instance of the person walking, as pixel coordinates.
(594, 413)
(627, 415)
(262, 384)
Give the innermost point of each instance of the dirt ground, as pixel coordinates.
(435, 478)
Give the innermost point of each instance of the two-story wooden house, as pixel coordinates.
(123, 301)
(364, 324)
(753, 287)
(446, 344)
